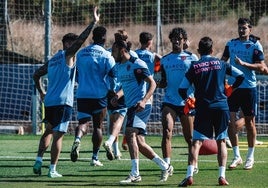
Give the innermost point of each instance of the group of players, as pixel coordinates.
(121, 81)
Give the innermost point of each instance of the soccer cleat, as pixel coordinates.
(166, 173)
(95, 163)
(186, 182)
(131, 179)
(235, 162)
(54, 174)
(37, 167)
(257, 142)
(223, 181)
(109, 151)
(75, 151)
(249, 164)
(196, 170)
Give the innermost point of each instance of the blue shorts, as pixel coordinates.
(121, 111)
(211, 123)
(139, 119)
(87, 107)
(244, 99)
(59, 117)
(177, 109)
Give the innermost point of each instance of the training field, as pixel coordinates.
(17, 156)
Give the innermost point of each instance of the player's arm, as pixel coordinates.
(37, 79)
(259, 66)
(185, 84)
(163, 81)
(70, 52)
(226, 54)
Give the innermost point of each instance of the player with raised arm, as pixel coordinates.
(94, 63)
(58, 99)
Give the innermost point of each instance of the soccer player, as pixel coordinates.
(173, 68)
(94, 63)
(58, 99)
(133, 74)
(145, 53)
(246, 54)
(212, 113)
(116, 109)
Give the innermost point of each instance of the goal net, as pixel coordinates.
(23, 43)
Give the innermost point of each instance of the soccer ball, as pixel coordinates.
(209, 147)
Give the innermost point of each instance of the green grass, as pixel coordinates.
(17, 156)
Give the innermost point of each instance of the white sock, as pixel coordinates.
(167, 160)
(116, 148)
(111, 139)
(160, 162)
(222, 170)
(190, 171)
(135, 167)
(52, 167)
(236, 151)
(250, 154)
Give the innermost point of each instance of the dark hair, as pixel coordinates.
(120, 44)
(121, 34)
(177, 32)
(243, 21)
(145, 37)
(99, 35)
(205, 46)
(69, 37)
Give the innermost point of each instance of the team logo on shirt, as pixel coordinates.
(248, 46)
(128, 67)
(183, 58)
(139, 71)
(256, 51)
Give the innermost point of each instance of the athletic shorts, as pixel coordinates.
(59, 117)
(139, 119)
(177, 109)
(211, 123)
(87, 107)
(121, 111)
(244, 99)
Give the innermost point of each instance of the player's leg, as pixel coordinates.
(43, 145)
(115, 123)
(168, 121)
(97, 136)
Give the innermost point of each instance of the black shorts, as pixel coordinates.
(58, 114)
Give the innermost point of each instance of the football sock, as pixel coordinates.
(250, 154)
(111, 139)
(190, 171)
(222, 171)
(52, 167)
(160, 162)
(167, 160)
(236, 151)
(135, 167)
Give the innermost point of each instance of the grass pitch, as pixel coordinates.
(18, 153)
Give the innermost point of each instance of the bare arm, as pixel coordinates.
(152, 85)
(70, 52)
(257, 66)
(37, 79)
